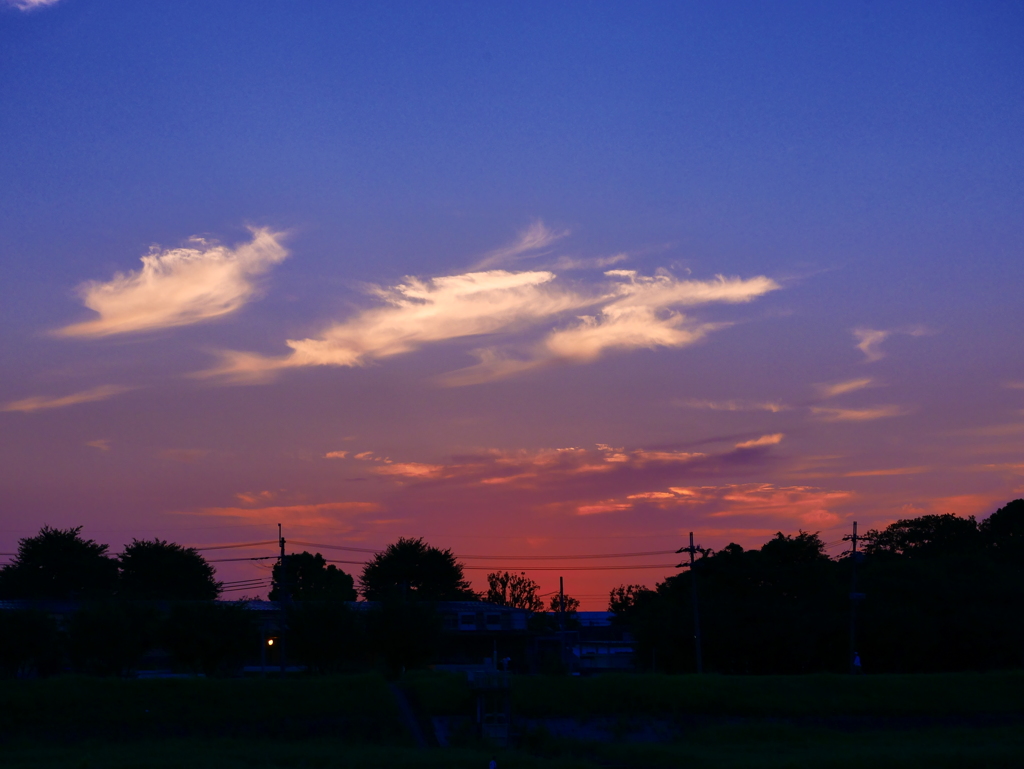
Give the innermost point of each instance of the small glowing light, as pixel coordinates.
(270, 642)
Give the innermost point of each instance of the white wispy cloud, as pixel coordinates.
(529, 241)
(43, 402)
(632, 311)
(858, 415)
(869, 340)
(731, 405)
(28, 5)
(643, 314)
(179, 286)
(416, 313)
(103, 444)
(637, 312)
(841, 388)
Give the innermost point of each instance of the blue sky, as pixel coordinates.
(864, 157)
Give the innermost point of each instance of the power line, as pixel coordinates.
(575, 568)
(569, 557)
(239, 544)
(546, 568)
(489, 557)
(336, 547)
(246, 587)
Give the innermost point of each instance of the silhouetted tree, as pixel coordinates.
(553, 620)
(925, 537)
(624, 599)
(787, 550)
(159, 570)
(941, 597)
(412, 569)
(942, 593)
(59, 564)
(308, 577)
(775, 609)
(1003, 531)
(571, 605)
(515, 590)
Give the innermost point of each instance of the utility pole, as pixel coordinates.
(696, 610)
(561, 617)
(283, 586)
(281, 582)
(855, 598)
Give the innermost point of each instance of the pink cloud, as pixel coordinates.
(44, 402)
(322, 514)
(858, 415)
(764, 440)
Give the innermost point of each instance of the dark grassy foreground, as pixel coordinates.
(945, 695)
(962, 720)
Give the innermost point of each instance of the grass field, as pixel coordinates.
(963, 720)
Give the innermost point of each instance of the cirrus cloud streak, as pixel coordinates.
(44, 402)
(633, 312)
(858, 415)
(178, 287)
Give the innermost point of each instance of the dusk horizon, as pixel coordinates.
(528, 282)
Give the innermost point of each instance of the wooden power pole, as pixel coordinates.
(692, 550)
(855, 598)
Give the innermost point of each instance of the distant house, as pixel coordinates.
(600, 645)
(591, 643)
(60, 610)
(479, 617)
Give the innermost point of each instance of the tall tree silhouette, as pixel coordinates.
(515, 590)
(59, 564)
(925, 537)
(624, 599)
(413, 569)
(570, 605)
(308, 577)
(1003, 531)
(159, 570)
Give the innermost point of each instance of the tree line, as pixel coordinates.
(157, 598)
(934, 593)
(59, 564)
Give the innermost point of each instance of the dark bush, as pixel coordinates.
(325, 636)
(210, 638)
(29, 643)
(110, 638)
(404, 634)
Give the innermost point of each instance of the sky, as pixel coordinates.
(529, 280)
